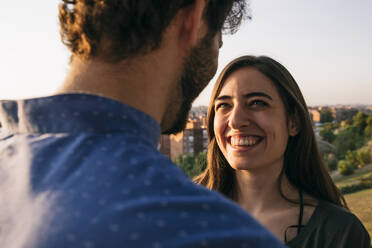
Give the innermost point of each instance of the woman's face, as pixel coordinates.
(250, 122)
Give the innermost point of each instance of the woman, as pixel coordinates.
(263, 155)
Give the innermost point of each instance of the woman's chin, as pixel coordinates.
(242, 165)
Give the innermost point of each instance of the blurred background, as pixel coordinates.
(326, 45)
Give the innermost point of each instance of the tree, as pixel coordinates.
(326, 115)
(201, 161)
(345, 168)
(364, 156)
(352, 158)
(192, 165)
(347, 139)
(368, 129)
(369, 120)
(360, 122)
(345, 123)
(179, 160)
(327, 132)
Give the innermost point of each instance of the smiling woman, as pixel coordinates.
(263, 155)
(250, 123)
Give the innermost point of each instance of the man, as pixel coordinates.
(81, 169)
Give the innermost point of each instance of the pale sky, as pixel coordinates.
(325, 44)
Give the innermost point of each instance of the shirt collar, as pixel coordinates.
(76, 113)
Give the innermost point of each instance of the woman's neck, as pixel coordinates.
(258, 191)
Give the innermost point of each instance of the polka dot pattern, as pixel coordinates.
(98, 160)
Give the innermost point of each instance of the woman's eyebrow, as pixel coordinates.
(261, 94)
(248, 95)
(224, 97)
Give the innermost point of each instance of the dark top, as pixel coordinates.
(81, 170)
(331, 226)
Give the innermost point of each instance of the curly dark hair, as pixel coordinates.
(131, 27)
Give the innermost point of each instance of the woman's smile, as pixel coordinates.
(250, 123)
(243, 142)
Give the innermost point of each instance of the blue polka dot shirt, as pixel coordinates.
(80, 170)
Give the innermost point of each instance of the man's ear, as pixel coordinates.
(192, 24)
(293, 125)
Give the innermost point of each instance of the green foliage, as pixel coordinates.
(368, 129)
(364, 156)
(360, 122)
(367, 179)
(345, 168)
(369, 120)
(363, 183)
(345, 123)
(330, 161)
(347, 139)
(326, 115)
(352, 158)
(330, 126)
(348, 189)
(192, 165)
(327, 132)
(201, 160)
(179, 159)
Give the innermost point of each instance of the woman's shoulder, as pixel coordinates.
(330, 211)
(332, 226)
(333, 208)
(341, 224)
(336, 217)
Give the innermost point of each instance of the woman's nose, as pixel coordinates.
(238, 118)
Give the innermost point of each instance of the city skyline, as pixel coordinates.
(324, 44)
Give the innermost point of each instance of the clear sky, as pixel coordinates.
(325, 44)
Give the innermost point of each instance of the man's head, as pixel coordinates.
(132, 27)
(115, 30)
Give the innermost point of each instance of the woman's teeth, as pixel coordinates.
(244, 141)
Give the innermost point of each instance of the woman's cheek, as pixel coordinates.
(219, 130)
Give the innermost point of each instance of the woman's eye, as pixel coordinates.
(222, 106)
(258, 103)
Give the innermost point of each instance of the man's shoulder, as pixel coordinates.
(142, 199)
(174, 213)
(104, 194)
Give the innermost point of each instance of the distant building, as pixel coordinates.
(314, 115)
(192, 140)
(164, 146)
(339, 112)
(344, 113)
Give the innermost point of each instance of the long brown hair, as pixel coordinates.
(303, 164)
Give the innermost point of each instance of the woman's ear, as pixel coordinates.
(293, 125)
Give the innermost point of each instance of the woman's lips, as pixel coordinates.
(244, 141)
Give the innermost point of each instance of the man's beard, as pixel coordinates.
(199, 68)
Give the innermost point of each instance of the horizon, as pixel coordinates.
(322, 105)
(325, 46)
(368, 106)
